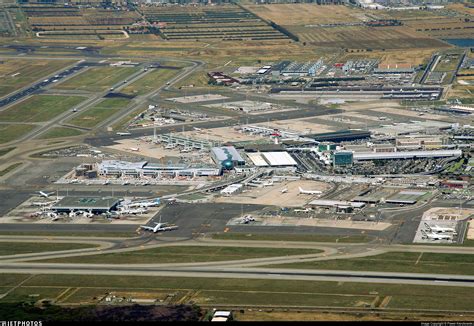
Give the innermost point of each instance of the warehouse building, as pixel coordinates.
(406, 155)
(339, 136)
(272, 159)
(342, 158)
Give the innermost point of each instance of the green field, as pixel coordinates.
(10, 168)
(149, 82)
(98, 113)
(18, 73)
(58, 132)
(71, 234)
(183, 254)
(211, 291)
(6, 150)
(97, 79)
(39, 108)
(9, 132)
(291, 237)
(406, 262)
(15, 248)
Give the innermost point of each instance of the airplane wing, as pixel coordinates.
(147, 227)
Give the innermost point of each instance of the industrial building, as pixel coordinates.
(339, 136)
(273, 159)
(406, 155)
(232, 189)
(140, 169)
(341, 205)
(342, 158)
(186, 142)
(223, 154)
(96, 205)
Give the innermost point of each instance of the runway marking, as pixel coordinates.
(419, 257)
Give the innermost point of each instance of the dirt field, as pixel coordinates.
(272, 195)
(409, 113)
(306, 13)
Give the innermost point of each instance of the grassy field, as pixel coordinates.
(71, 234)
(9, 132)
(291, 237)
(150, 82)
(5, 151)
(97, 79)
(18, 73)
(15, 248)
(98, 113)
(209, 291)
(10, 168)
(39, 108)
(407, 262)
(183, 254)
(58, 132)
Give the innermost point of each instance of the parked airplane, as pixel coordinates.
(435, 236)
(134, 149)
(186, 150)
(309, 192)
(170, 146)
(306, 210)
(267, 184)
(42, 204)
(440, 229)
(134, 211)
(123, 133)
(284, 190)
(45, 194)
(148, 203)
(247, 219)
(197, 129)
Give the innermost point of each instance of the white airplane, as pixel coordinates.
(106, 182)
(197, 129)
(124, 183)
(41, 204)
(123, 133)
(440, 229)
(159, 227)
(284, 190)
(88, 214)
(309, 192)
(134, 149)
(134, 211)
(247, 219)
(45, 194)
(149, 203)
(186, 150)
(170, 146)
(267, 184)
(434, 236)
(306, 210)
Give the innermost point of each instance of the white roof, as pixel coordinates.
(411, 154)
(222, 313)
(257, 159)
(279, 159)
(334, 203)
(219, 319)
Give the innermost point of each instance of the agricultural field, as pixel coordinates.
(209, 291)
(150, 82)
(228, 22)
(307, 22)
(97, 79)
(79, 21)
(406, 262)
(7, 28)
(364, 37)
(39, 108)
(443, 27)
(309, 13)
(18, 73)
(182, 254)
(98, 113)
(59, 132)
(10, 132)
